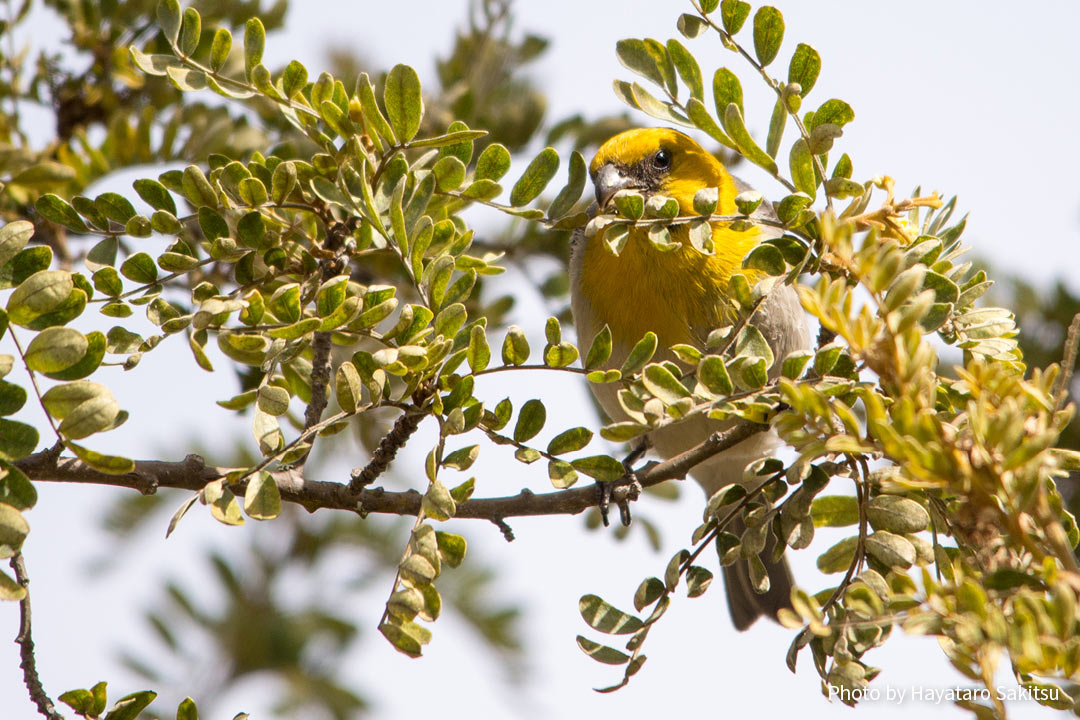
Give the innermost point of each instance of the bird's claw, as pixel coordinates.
(622, 493)
(604, 491)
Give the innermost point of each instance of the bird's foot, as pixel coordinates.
(622, 493)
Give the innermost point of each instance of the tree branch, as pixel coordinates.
(25, 641)
(190, 474)
(404, 427)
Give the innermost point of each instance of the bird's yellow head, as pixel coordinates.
(659, 161)
(677, 292)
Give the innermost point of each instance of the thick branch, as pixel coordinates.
(25, 641)
(190, 474)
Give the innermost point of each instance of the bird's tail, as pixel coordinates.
(744, 603)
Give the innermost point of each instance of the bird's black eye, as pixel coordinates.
(662, 160)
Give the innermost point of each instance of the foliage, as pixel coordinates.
(323, 249)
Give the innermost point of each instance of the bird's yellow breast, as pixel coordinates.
(678, 294)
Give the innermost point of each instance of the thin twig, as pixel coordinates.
(25, 641)
(403, 429)
(1068, 364)
(862, 489)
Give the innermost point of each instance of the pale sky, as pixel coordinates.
(971, 98)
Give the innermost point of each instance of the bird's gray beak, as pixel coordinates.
(608, 180)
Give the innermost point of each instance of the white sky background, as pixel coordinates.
(972, 98)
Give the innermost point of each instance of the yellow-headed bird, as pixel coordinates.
(679, 295)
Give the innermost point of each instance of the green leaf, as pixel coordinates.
(129, 706)
(795, 363)
(168, 17)
(804, 68)
(44, 175)
(219, 48)
(449, 173)
(831, 112)
(63, 313)
(462, 458)
(479, 352)
(96, 345)
(53, 207)
(698, 580)
(187, 710)
(768, 34)
(569, 441)
(892, 550)
(254, 44)
(695, 109)
(190, 32)
(452, 547)
(13, 238)
(493, 163)
(283, 181)
(662, 383)
(17, 440)
(560, 355)
(714, 375)
(897, 514)
(197, 188)
(92, 416)
(294, 79)
(535, 178)
(606, 618)
(575, 185)
(691, 26)
(140, 268)
(273, 400)
(55, 349)
(16, 489)
(406, 637)
(25, 263)
(733, 124)
(838, 558)
(13, 530)
(623, 431)
(114, 206)
(751, 343)
(835, 511)
(378, 127)
(187, 79)
(12, 398)
(285, 303)
(404, 104)
(733, 14)
(630, 204)
(766, 258)
(562, 474)
(262, 499)
(157, 64)
(635, 56)
(640, 354)
(515, 348)
(649, 591)
(726, 90)
(776, 128)
(252, 192)
(599, 350)
(155, 195)
(603, 468)
(602, 653)
(531, 419)
(685, 63)
(112, 464)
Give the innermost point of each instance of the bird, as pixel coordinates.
(680, 294)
